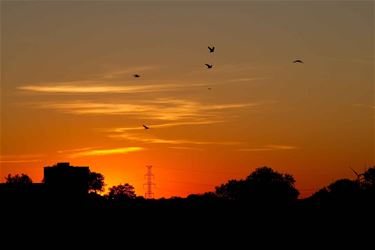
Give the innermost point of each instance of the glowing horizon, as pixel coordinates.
(68, 91)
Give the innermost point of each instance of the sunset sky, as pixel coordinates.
(68, 91)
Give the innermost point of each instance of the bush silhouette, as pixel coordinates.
(17, 179)
(122, 192)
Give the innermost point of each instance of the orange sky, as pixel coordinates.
(68, 91)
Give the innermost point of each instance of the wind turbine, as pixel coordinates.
(357, 174)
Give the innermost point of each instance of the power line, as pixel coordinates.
(149, 183)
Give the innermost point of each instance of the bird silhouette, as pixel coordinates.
(297, 61)
(209, 66)
(136, 75)
(211, 49)
(146, 127)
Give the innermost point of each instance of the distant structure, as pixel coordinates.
(149, 183)
(64, 179)
(61, 181)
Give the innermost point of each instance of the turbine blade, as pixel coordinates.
(355, 172)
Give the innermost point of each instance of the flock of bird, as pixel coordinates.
(209, 66)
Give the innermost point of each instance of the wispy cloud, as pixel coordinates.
(270, 147)
(100, 152)
(155, 140)
(186, 148)
(165, 125)
(160, 109)
(247, 79)
(64, 151)
(228, 106)
(98, 87)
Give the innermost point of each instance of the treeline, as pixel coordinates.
(263, 186)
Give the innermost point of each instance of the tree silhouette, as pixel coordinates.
(369, 178)
(232, 190)
(267, 184)
(264, 184)
(368, 184)
(122, 192)
(17, 179)
(321, 197)
(344, 190)
(96, 182)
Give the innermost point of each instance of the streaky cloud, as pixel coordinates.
(186, 148)
(165, 125)
(229, 106)
(75, 150)
(101, 152)
(247, 79)
(159, 109)
(99, 87)
(154, 140)
(271, 147)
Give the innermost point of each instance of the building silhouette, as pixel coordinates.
(63, 179)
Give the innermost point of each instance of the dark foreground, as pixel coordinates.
(189, 221)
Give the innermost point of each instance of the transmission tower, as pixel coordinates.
(149, 183)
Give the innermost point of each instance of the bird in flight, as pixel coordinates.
(136, 75)
(146, 127)
(211, 49)
(297, 61)
(209, 88)
(209, 66)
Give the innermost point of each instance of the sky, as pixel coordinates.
(68, 93)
